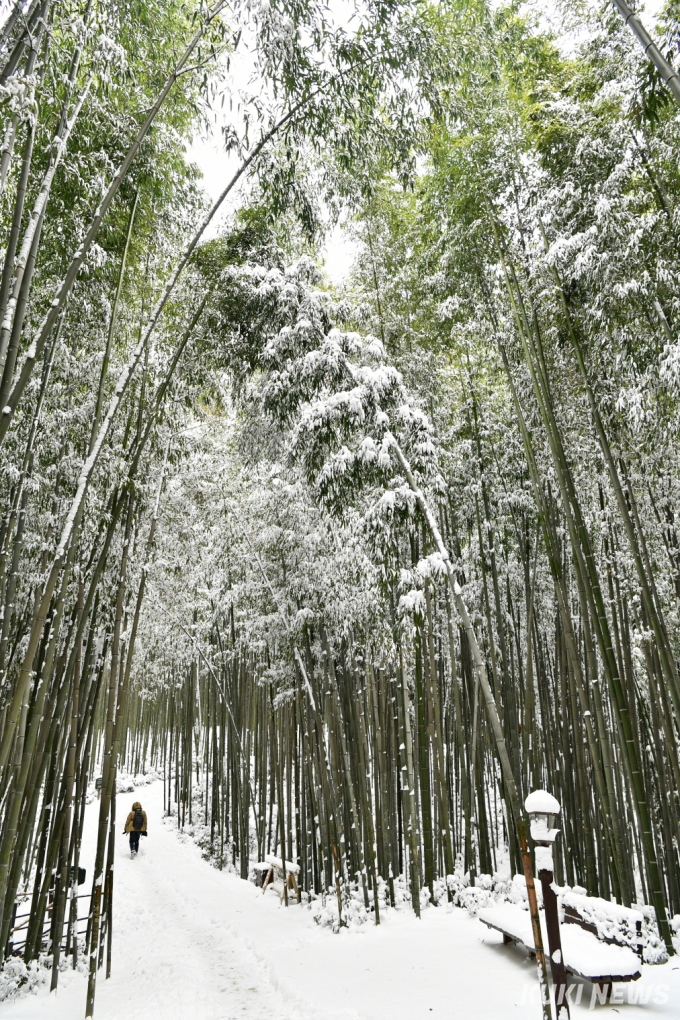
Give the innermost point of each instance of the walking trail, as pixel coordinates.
(193, 943)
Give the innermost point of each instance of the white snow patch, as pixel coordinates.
(543, 803)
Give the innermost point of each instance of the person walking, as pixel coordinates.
(136, 826)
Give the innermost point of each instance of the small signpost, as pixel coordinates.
(98, 783)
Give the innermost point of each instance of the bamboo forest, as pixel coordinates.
(339, 509)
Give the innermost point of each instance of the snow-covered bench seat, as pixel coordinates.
(585, 955)
(271, 870)
(609, 922)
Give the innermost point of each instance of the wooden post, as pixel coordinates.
(552, 923)
(542, 808)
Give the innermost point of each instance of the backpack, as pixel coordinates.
(138, 820)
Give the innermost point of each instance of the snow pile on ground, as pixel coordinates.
(487, 890)
(127, 782)
(18, 979)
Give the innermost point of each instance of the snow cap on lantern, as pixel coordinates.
(542, 809)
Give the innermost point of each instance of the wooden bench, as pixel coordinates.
(602, 961)
(271, 870)
(610, 923)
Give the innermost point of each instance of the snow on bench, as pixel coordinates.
(275, 862)
(609, 922)
(585, 955)
(271, 870)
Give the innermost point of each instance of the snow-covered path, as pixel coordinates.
(176, 951)
(191, 943)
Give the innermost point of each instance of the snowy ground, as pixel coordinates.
(191, 943)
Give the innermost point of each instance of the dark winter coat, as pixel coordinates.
(129, 826)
